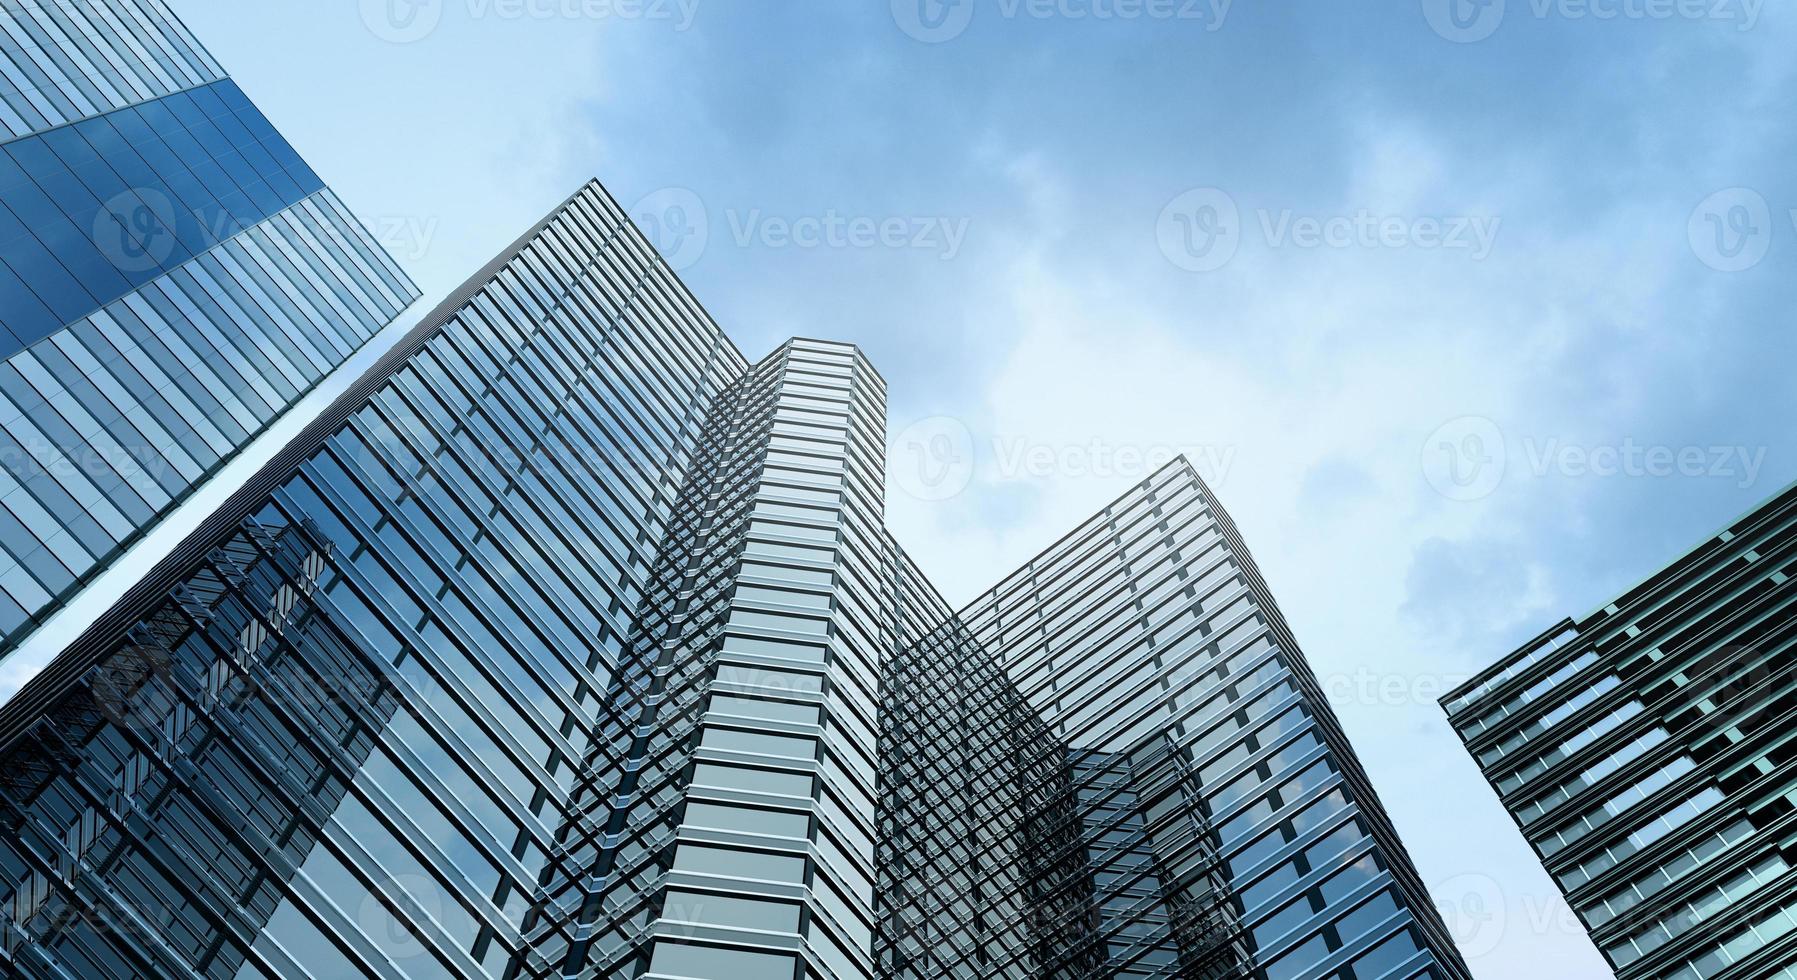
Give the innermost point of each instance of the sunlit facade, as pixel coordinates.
(1648, 752)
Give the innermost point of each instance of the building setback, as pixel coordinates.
(173, 277)
(1648, 753)
(571, 643)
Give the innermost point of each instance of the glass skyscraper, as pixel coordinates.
(173, 277)
(571, 643)
(1649, 754)
(1203, 754)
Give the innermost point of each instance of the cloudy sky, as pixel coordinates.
(1474, 315)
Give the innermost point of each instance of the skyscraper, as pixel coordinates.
(1648, 753)
(571, 643)
(1200, 741)
(173, 277)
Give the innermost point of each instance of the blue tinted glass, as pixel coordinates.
(210, 103)
(33, 263)
(96, 209)
(131, 167)
(34, 156)
(10, 226)
(11, 174)
(101, 135)
(23, 308)
(69, 146)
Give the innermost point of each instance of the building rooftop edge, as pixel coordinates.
(1714, 538)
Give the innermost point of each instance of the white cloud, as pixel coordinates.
(1333, 361)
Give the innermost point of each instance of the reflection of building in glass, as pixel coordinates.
(173, 277)
(600, 662)
(1647, 750)
(1217, 792)
(148, 819)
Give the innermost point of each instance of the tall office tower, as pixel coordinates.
(730, 795)
(173, 277)
(571, 643)
(1008, 854)
(340, 732)
(1648, 753)
(1202, 747)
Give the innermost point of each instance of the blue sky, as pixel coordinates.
(1473, 316)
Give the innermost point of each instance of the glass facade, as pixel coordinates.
(1648, 753)
(730, 799)
(95, 209)
(62, 61)
(1226, 825)
(571, 643)
(405, 727)
(173, 277)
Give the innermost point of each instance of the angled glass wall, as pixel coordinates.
(70, 60)
(571, 643)
(1197, 735)
(482, 515)
(173, 277)
(1648, 753)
